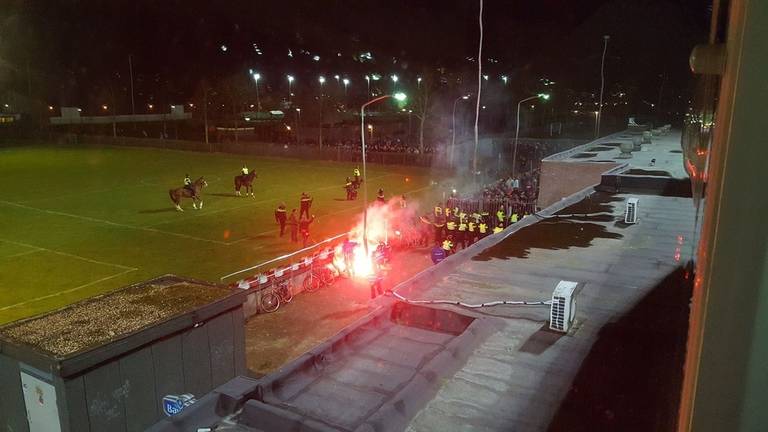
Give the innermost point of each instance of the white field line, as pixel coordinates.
(30, 252)
(38, 249)
(58, 293)
(253, 203)
(106, 222)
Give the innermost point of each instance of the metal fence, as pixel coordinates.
(479, 205)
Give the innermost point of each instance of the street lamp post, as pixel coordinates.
(394, 82)
(368, 81)
(517, 129)
(290, 88)
(298, 126)
(321, 80)
(602, 87)
(400, 97)
(453, 126)
(346, 84)
(256, 78)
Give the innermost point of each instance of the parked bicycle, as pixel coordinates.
(319, 276)
(281, 292)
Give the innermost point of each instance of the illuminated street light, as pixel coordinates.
(368, 81)
(399, 97)
(337, 78)
(504, 78)
(150, 106)
(256, 78)
(321, 80)
(298, 126)
(290, 84)
(485, 77)
(346, 84)
(50, 108)
(104, 107)
(453, 128)
(370, 129)
(543, 96)
(418, 82)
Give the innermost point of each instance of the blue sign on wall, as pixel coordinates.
(174, 404)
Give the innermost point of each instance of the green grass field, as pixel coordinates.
(79, 221)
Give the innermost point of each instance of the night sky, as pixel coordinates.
(74, 47)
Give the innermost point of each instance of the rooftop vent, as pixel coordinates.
(630, 213)
(563, 309)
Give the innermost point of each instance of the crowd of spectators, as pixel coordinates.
(384, 145)
(523, 188)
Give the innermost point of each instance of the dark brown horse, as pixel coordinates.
(245, 180)
(193, 191)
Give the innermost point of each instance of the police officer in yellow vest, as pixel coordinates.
(513, 218)
(450, 226)
(462, 234)
(448, 246)
(498, 228)
(438, 210)
(500, 216)
(482, 229)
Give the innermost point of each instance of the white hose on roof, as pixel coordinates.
(475, 306)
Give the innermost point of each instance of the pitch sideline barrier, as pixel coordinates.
(256, 284)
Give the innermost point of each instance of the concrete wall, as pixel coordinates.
(560, 179)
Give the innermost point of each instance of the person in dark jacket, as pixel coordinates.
(294, 224)
(281, 217)
(306, 203)
(304, 224)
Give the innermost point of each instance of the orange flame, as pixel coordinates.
(384, 219)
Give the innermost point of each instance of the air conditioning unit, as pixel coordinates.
(630, 213)
(563, 308)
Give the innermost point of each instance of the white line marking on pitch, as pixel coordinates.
(67, 254)
(21, 254)
(106, 222)
(58, 293)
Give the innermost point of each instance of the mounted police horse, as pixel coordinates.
(245, 180)
(193, 191)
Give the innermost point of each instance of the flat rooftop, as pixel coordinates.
(110, 316)
(664, 151)
(517, 378)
